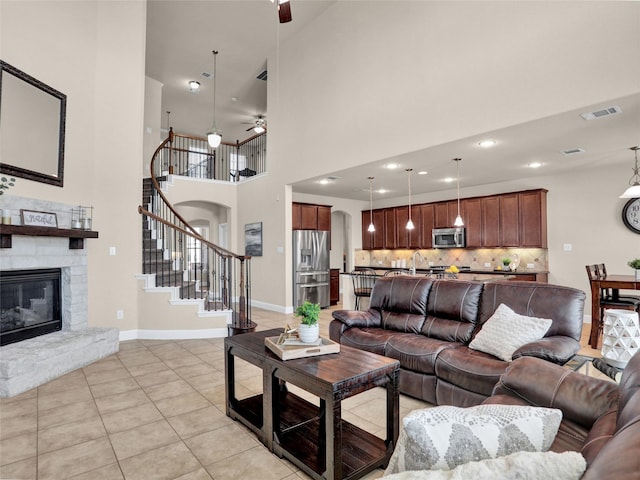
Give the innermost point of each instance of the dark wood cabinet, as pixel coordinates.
(516, 219)
(307, 216)
(471, 212)
(408, 238)
(509, 220)
(427, 219)
(533, 218)
(390, 240)
(490, 221)
(334, 286)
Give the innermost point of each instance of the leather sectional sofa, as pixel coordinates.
(427, 324)
(600, 419)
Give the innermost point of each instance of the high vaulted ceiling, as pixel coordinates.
(182, 34)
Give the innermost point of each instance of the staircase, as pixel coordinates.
(169, 255)
(156, 259)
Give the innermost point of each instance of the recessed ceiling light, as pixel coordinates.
(194, 86)
(487, 143)
(448, 179)
(422, 172)
(234, 99)
(381, 190)
(534, 165)
(324, 181)
(391, 166)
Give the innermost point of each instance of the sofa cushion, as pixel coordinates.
(529, 465)
(372, 340)
(452, 310)
(445, 437)
(506, 331)
(416, 352)
(469, 369)
(402, 302)
(564, 305)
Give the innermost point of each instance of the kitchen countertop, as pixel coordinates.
(475, 271)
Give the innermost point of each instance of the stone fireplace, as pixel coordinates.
(29, 363)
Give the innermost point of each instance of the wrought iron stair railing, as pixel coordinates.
(181, 257)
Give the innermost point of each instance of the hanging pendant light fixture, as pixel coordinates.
(634, 190)
(214, 135)
(410, 225)
(458, 221)
(372, 227)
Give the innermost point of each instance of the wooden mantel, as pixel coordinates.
(76, 237)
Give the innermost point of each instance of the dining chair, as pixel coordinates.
(396, 272)
(608, 299)
(363, 281)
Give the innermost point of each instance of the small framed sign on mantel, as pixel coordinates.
(39, 219)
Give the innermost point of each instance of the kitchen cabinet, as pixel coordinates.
(471, 212)
(334, 286)
(509, 220)
(490, 221)
(307, 216)
(533, 218)
(427, 219)
(409, 238)
(390, 239)
(516, 219)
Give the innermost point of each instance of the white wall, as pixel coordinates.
(94, 53)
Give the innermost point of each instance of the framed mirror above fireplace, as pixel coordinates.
(32, 115)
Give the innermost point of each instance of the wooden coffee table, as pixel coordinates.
(314, 437)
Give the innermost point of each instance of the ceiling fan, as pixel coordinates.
(284, 10)
(259, 125)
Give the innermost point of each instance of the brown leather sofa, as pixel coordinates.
(427, 324)
(601, 419)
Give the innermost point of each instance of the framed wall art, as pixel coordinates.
(253, 239)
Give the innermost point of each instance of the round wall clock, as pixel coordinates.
(631, 215)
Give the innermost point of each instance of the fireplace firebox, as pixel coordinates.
(29, 304)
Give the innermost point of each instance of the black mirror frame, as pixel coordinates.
(16, 171)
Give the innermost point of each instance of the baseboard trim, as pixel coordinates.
(271, 307)
(172, 334)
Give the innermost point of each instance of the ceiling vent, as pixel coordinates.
(262, 75)
(206, 74)
(572, 151)
(604, 112)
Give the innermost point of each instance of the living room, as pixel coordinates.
(550, 58)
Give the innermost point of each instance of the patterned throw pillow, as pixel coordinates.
(506, 331)
(444, 437)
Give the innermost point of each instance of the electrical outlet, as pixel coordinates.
(530, 265)
(431, 264)
(120, 314)
(487, 265)
(112, 251)
(568, 247)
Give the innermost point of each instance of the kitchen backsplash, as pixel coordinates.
(480, 259)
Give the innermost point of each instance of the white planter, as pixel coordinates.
(308, 333)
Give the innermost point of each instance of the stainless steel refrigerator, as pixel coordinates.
(311, 267)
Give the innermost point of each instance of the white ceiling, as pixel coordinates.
(182, 34)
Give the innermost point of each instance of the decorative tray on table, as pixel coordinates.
(288, 347)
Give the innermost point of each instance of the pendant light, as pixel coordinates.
(372, 227)
(410, 225)
(634, 190)
(458, 221)
(214, 135)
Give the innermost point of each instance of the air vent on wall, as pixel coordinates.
(601, 113)
(572, 151)
(262, 75)
(206, 74)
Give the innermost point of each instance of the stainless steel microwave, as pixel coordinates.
(448, 237)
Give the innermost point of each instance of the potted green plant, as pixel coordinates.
(635, 264)
(506, 261)
(308, 330)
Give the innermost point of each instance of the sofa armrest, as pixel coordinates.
(359, 318)
(582, 399)
(556, 349)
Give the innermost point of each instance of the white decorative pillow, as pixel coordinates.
(445, 437)
(506, 331)
(529, 465)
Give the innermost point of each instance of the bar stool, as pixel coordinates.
(363, 281)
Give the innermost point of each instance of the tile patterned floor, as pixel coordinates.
(155, 410)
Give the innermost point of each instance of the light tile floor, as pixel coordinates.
(155, 410)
